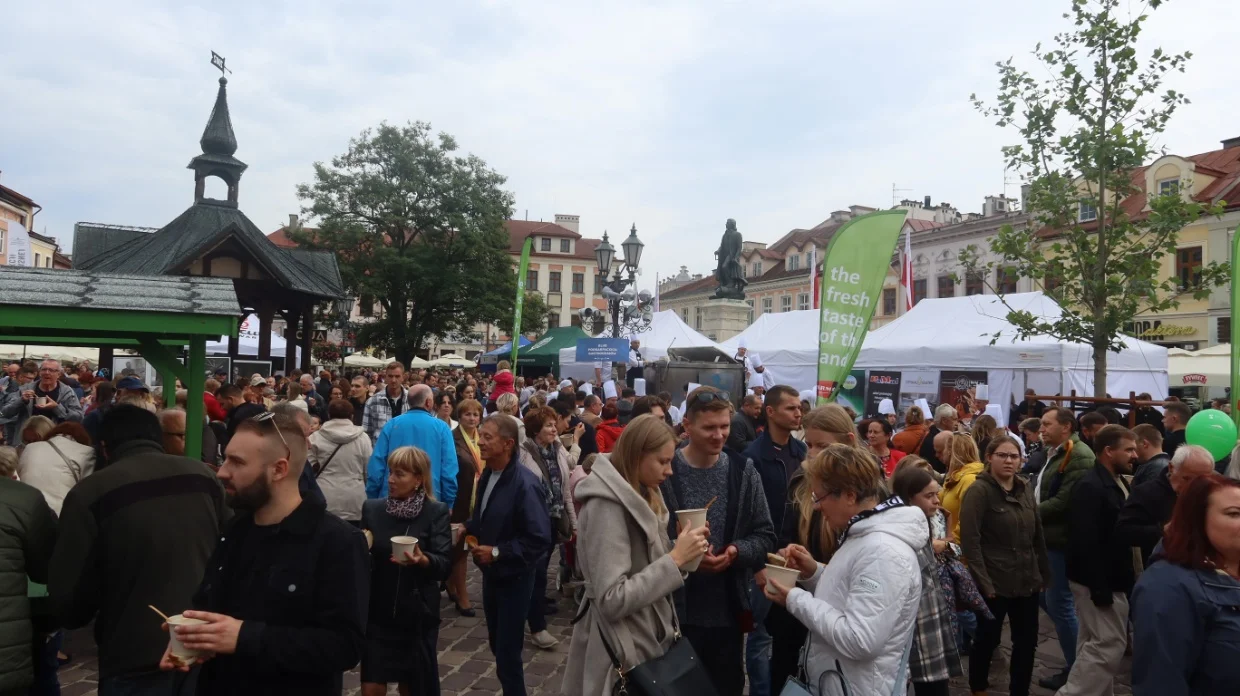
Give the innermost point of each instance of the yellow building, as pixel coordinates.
(16, 208)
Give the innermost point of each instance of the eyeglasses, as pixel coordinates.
(1006, 456)
(270, 417)
(707, 397)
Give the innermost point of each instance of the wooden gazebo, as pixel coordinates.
(157, 315)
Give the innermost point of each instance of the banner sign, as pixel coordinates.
(603, 350)
(853, 270)
(879, 386)
(18, 244)
(959, 388)
(851, 392)
(522, 271)
(918, 384)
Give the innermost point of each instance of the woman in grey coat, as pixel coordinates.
(630, 567)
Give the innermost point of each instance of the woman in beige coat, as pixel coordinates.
(623, 553)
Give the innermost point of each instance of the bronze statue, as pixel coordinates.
(729, 273)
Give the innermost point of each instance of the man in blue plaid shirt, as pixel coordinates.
(387, 404)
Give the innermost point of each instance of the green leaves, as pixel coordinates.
(418, 227)
(1086, 131)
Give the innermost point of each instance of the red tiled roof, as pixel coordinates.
(1223, 164)
(280, 238)
(6, 191)
(520, 229)
(693, 288)
(922, 225)
(764, 253)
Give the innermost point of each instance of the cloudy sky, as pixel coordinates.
(675, 115)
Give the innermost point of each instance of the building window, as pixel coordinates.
(1169, 187)
(757, 269)
(785, 303)
(1088, 211)
(546, 244)
(36, 259)
(1050, 283)
(1005, 280)
(919, 290)
(598, 284)
(803, 301)
(579, 283)
(47, 262)
(366, 305)
(1187, 266)
(750, 303)
(794, 262)
(684, 314)
(553, 320)
(565, 246)
(574, 319)
(1224, 330)
(531, 279)
(766, 305)
(889, 301)
(947, 287)
(697, 317)
(973, 284)
(554, 284)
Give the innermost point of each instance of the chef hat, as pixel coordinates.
(585, 387)
(809, 395)
(995, 412)
(566, 383)
(609, 389)
(885, 407)
(639, 386)
(924, 406)
(755, 360)
(742, 343)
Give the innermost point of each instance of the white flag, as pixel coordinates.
(18, 245)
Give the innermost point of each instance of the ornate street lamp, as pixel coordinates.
(632, 249)
(630, 312)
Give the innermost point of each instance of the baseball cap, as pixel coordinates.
(131, 383)
(257, 380)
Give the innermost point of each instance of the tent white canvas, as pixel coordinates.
(1208, 367)
(667, 331)
(956, 333)
(247, 341)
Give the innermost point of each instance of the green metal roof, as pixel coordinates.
(45, 287)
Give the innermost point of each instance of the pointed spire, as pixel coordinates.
(218, 137)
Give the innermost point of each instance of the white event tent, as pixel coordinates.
(667, 331)
(1208, 367)
(955, 334)
(247, 341)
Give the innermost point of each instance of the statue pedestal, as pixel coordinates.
(723, 319)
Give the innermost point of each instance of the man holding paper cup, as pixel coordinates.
(720, 484)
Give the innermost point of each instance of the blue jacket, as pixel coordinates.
(1185, 627)
(516, 520)
(771, 470)
(417, 428)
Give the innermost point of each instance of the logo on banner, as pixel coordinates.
(1194, 379)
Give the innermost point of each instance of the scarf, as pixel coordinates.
(408, 508)
(472, 444)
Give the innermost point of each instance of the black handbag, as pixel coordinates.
(677, 672)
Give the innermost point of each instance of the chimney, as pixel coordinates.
(292, 221)
(570, 222)
(927, 202)
(1231, 142)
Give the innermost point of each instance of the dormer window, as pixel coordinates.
(794, 262)
(565, 246)
(1087, 211)
(546, 244)
(757, 269)
(1169, 187)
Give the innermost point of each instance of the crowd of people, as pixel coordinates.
(325, 519)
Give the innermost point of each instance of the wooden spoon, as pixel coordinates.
(161, 614)
(712, 502)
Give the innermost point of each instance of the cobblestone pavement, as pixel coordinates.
(467, 668)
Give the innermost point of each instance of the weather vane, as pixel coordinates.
(218, 61)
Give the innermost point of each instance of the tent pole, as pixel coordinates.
(193, 403)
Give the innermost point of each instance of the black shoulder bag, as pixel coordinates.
(677, 672)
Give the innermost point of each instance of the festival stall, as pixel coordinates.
(543, 355)
(668, 337)
(955, 349)
(487, 361)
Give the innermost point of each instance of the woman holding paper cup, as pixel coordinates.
(630, 567)
(410, 544)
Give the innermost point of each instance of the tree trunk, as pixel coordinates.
(1100, 370)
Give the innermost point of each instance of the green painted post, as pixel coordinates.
(170, 388)
(1235, 307)
(193, 404)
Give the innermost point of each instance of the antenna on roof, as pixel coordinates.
(894, 193)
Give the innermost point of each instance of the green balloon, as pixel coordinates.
(1213, 430)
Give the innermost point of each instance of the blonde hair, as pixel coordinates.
(8, 462)
(914, 416)
(503, 365)
(508, 403)
(984, 428)
(912, 461)
(36, 429)
(963, 450)
(415, 461)
(843, 469)
(642, 436)
(833, 420)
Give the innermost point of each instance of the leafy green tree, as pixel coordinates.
(417, 227)
(534, 313)
(1087, 129)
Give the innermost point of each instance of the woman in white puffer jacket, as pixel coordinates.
(859, 608)
(55, 464)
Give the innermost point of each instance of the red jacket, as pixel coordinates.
(607, 433)
(504, 382)
(215, 412)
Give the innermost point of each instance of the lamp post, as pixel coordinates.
(629, 311)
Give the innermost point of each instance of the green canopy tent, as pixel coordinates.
(543, 355)
(156, 315)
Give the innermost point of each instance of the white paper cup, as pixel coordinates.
(401, 544)
(458, 530)
(175, 647)
(691, 519)
(785, 576)
(41, 401)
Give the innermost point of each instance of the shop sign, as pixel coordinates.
(1194, 379)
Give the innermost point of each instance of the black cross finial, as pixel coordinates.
(218, 61)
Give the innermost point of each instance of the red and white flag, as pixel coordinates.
(906, 271)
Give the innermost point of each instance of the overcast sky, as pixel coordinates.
(673, 115)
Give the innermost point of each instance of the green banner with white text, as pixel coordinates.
(516, 315)
(853, 270)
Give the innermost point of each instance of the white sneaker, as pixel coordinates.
(544, 640)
